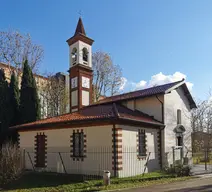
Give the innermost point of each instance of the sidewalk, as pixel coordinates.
(203, 183)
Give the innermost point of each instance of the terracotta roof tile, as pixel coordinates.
(97, 112)
(140, 93)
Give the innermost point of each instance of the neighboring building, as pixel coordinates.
(117, 133)
(41, 82)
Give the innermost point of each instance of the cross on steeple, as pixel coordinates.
(80, 13)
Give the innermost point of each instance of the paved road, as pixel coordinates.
(204, 183)
(200, 169)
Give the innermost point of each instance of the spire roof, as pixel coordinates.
(80, 28)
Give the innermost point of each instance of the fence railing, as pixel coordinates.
(125, 163)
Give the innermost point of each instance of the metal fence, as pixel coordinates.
(202, 161)
(127, 162)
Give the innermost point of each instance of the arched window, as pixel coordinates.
(85, 54)
(179, 141)
(74, 55)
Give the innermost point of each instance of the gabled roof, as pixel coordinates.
(160, 89)
(110, 111)
(80, 28)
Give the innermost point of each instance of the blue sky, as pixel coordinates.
(143, 37)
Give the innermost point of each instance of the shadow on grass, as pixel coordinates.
(40, 180)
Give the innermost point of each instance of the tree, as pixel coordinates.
(14, 100)
(201, 121)
(29, 101)
(16, 47)
(54, 96)
(201, 118)
(107, 77)
(4, 104)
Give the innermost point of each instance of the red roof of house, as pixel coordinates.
(160, 89)
(140, 93)
(110, 108)
(96, 112)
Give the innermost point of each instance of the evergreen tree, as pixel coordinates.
(14, 100)
(4, 105)
(29, 101)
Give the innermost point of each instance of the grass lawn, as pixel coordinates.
(40, 182)
(197, 159)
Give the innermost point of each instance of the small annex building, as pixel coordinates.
(132, 131)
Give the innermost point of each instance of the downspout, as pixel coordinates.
(160, 144)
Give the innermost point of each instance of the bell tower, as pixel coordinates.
(80, 71)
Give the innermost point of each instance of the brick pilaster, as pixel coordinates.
(117, 149)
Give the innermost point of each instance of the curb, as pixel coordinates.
(124, 189)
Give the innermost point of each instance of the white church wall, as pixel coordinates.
(74, 98)
(132, 165)
(26, 143)
(148, 105)
(98, 150)
(174, 101)
(85, 98)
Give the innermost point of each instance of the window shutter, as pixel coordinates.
(142, 143)
(81, 146)
(78, 144)
(74, 154)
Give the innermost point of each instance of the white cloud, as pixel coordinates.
(157, 79)
(142, 83)
(189, 85)
(124, 81)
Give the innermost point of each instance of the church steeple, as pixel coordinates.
(80, 28)
(81, 74)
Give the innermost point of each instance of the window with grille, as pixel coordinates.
(141, 143)
(40, 150)
(78, 144)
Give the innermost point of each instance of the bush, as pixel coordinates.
(179, 170)
(10, 163)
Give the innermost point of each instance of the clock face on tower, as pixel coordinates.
(74, 82)
(85, 82)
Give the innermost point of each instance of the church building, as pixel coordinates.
(135, 130)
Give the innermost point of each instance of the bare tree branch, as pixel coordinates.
(16, 47)
(107, 77)
(54, 96)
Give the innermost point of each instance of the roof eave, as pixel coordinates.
(126, 99)
(143, 122)
(61, 122)
(78, 122)
(174, 87)
(192, 103)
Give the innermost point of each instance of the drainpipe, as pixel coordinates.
(162, 111)
(162, 108)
